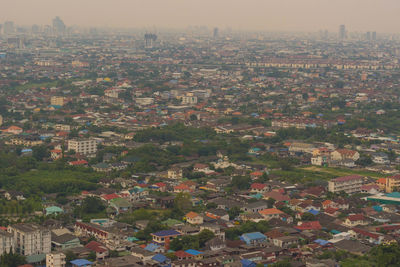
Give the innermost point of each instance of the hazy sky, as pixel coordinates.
(268, 15)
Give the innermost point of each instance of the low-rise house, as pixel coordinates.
(255, 206)
(259, 188)
(345, 154)
(218, 214)
(100, 250)
(165, 237)
(285, 241)
(269, 214)
(254, 238)
(215, 244)
(355, 220)
(175, 173)
(194, 218)
(380, 158)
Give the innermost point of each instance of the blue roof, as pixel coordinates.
(81, 262)
(377, 208)
(193, 252)
(321, 242)
(167, 233)
(247, 263)
(313, 211)
(151, 247)
(159, 257)
(335, 232)
(254, 235)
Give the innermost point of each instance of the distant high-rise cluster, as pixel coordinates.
(150, 39)
(342, 32)
(215, 33)
(8, 27)
(370, 36)
(58, 26)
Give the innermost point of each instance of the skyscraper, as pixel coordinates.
(373, 36)
(149, 39)
(342, 32)
(215, 33)
(58, 25)
(368, 36)
(8, 27)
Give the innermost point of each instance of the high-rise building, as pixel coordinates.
(150, 39)
(215, 33)
(373, 36)
(368, 36)
(58, 25)
(342, 32)
(8, 27)
(30, 239)
(35, 29)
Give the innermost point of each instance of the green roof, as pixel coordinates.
(36, 258)
(53, 209)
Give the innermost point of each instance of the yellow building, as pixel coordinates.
(57, 101)
(392, 183)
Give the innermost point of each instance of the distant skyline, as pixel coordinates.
(261, 15)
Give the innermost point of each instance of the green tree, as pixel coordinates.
(183, 201)
(11, 259)
(234, 212)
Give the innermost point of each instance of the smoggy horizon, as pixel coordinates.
(259, 15)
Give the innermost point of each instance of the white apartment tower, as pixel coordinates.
(30, 239)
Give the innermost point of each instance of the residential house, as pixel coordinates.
(254, 238)
(194, 218)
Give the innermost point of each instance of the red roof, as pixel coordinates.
(183, 254)
(78, 162)
(365, 233)
(356, 217)
(347, 178)
(96, 246)
(258, 186)
(110, 196)
(314, 225)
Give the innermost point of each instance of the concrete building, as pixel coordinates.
(189, 100)
(30, 239)
(57, 101)
(83, 146)
(349, 184)
(392, 183)
(55, 260)
(7, 242)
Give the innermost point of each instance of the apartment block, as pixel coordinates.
(349, 184)
(30, 239)
(6, 242)
(57, 101)
(83, 146)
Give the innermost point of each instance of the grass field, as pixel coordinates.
(30, 85)
(309, 174)
(344, 172)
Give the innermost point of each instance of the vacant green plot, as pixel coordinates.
(343, 172)
(30, 85)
